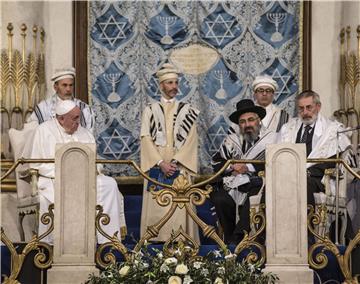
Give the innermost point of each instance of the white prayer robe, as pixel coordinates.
(46, 136)
(325, 139)
(275, 117)
(45, 110)
(187, 162)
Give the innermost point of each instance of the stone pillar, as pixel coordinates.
(74, 223)
(286, 213)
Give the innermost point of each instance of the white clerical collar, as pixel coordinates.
(166, 101)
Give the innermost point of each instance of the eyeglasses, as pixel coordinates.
(261, 90)
(250, 119)
(308, 108)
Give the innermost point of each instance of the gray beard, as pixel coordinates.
(251, 137)
(309, 121)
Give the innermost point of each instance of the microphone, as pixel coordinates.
(349, 129)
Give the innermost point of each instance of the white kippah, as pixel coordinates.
(166, 72)
(63, 73)
(264, 81)
(64, 106)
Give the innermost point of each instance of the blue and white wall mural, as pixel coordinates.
(219, 46)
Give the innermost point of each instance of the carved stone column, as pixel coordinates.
(74, 222)
(286, 213)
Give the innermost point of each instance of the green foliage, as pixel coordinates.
(152, 267)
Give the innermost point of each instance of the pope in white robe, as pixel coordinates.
(57, 130)
(169, 142)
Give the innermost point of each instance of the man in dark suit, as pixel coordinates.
(240, 180)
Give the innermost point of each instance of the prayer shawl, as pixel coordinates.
(231, 149)
(164, 117)
(184, 118)
(45, 111)
(275, 118)
(325, 139)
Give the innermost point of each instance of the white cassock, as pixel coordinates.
(45, 111)
(46, 136)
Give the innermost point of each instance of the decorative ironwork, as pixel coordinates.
(183, 194)
(114, 241)
(249, 241)
(42, 260)
(180, 241)
(320, 260)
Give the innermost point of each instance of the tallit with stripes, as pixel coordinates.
(184, 118)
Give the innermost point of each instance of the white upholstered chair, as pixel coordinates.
(26, 178)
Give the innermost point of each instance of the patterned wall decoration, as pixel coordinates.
(219, 46)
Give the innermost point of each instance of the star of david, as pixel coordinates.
(118, 25)
(284, 79)
(223, 24)
(123, 139)
(219, 133)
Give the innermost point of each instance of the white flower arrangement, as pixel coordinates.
(150, 267)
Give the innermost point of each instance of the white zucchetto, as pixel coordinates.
(64, 106)
(167, 71)
(63, 73)
(264, 81)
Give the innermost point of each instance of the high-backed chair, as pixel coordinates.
(26, 178)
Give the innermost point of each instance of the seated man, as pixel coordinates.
(264, 90)
(240, 180)
(64, 88)
(65, 128)
(320, 136)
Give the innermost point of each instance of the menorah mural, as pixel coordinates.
(22, 82)
(221, 75)
(166, 22)
(349, 90)
(276, 19)
(113, 78)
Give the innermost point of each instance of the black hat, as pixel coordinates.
(244, 106)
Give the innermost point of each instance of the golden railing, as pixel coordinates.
(182, 194)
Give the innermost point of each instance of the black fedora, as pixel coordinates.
(244, 106)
